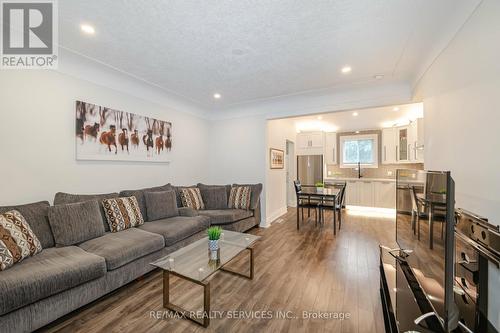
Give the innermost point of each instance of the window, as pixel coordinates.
(359, 148)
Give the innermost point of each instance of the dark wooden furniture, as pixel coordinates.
(193, 263)
(321, 195)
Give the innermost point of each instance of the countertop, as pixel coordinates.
(366, 179)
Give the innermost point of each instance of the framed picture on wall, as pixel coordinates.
(277, 158)
(106, 134)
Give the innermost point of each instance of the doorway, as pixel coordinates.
(290, 174)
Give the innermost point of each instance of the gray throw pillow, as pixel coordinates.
(214, 196)
(139, 195)
(62, 198)
(76, 223)
(161, 205)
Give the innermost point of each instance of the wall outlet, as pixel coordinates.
(329, 173)
(389, 173)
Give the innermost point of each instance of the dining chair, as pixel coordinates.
(335, 205)
(304, 201)
(421, 210)
(418, 211)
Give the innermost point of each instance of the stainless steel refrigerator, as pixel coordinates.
(310, 169)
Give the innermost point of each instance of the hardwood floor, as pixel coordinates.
(308, 270)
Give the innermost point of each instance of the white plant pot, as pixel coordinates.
(213, 245)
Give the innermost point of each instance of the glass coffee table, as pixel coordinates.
(193, 264)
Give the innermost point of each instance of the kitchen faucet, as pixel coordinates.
(359, 170)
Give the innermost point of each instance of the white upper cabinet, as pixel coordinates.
(403, 144)
(416, 139)
(389, 145)
(331, 148)
(310, 143)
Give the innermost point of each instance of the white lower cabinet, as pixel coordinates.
(371, 193)
(366, 194)
(385, 194)
(352, 193)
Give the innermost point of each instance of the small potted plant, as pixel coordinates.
(319, 186)
(214, 234)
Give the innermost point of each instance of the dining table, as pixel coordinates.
(433, 201)
(323, 195)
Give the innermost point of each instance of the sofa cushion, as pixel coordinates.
(256, 191)
(191, 197)
(17, 240)
(120, 248)
(226, 216)
(161, 205)
(67, 198)
(240, 197)
(175, 229)
(178, 190)
(48, 273)
(139, 195)
(214, 196)
(75, 223)
(122, 213)
(36, 216)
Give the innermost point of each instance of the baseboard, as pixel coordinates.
(275, 215)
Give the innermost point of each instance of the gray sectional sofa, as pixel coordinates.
(59, 280)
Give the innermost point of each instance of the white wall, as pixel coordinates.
(37, 142)
(278, 132)
(461, 95)
(237, 149)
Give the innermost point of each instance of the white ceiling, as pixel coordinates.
(253, 50)
(366, 119)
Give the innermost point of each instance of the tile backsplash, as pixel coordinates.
(383, 171)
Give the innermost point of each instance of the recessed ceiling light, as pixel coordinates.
(346, 69)
(320, 117)
(395, 109)
(217, 96)
(378, 77)
(88, 29)
(357, 132)
(355, 114)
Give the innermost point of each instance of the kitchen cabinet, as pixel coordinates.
(331, 148)
(371, 193)
(389, 145)
(310, 140)
(385, 194)
(403, 144)
(310, 143)
(352, 193)
(367, 194)
(416, 141)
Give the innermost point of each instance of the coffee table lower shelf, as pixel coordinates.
(205, 321)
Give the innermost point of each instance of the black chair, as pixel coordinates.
(335, 205)
(420, 210)
(304, 201)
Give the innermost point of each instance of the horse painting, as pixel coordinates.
(103, 133)
(148, 140)
(123, 139)
(109, 139)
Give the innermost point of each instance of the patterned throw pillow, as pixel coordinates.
(17, 240)
(122, 213)
(191, 197)
(240, 197)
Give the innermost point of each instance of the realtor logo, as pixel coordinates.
(29, 34)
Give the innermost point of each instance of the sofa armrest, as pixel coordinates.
(187, 211)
